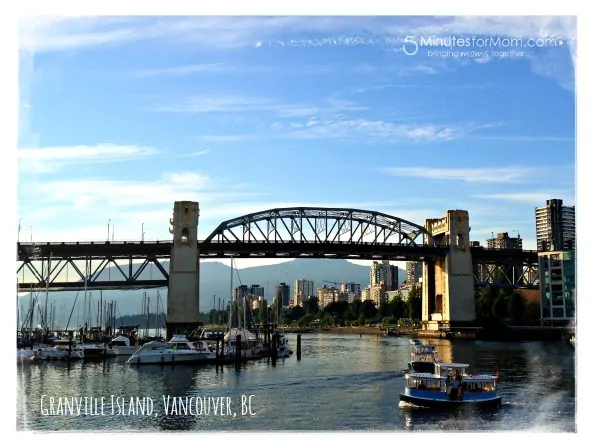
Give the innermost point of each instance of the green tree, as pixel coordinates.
(311, 305)
(368, 309)
(398, 307)
(414, 303)
(306, 320)
(361, 320)
(263, 311)
(327, 321)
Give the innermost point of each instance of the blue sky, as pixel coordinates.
(120, 117)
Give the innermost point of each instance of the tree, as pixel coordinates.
(295, 313)
(398, 307)
(500, 307)
(414, 304)
(516, 306)
(368, 309)
(306, 320)
(311, 305)
(262, 311)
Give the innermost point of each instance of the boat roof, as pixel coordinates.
(453, 365)
(155, 344)
(467, 378)
(179, 338)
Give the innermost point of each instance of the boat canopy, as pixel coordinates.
(234, 332)
(453, 365)
(179, 338)
(153, 345)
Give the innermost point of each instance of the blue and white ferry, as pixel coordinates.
(422, 358)
(450, 386)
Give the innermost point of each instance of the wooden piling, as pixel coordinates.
(298, 346)
(217, 351)
(238, 349)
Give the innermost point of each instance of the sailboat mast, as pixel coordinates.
(85, 294)
(45, 319)
(231, 280)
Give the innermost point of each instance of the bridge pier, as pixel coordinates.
(183, 284)
(448, 296)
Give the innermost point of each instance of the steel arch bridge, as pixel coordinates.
(320, 225)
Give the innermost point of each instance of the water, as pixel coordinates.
(342, 382)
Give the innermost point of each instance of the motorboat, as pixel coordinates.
(25, 355)
(283, 348)
(61, 350)
(450, 386)
(120, 345)
(423, 359)
(251, 346)
(415, 342)
(178, 350)
(94, 351)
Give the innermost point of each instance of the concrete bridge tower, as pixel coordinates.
(183, 284)
(448, 296)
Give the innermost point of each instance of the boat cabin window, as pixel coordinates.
(180, 346)
(423, 384)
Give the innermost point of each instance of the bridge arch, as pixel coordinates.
(320, 225)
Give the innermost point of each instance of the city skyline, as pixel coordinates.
(246, 123)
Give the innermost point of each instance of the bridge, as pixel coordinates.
(301, 232)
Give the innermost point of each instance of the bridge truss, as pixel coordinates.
(320, 225)
(64, 266)
(505, 267)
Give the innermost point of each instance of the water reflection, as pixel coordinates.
(341, 383)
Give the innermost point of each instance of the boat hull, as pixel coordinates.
(171, 359)
(493, 402)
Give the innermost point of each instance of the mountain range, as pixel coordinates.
(215, 281)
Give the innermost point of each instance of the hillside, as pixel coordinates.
(215, 280)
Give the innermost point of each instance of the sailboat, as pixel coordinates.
(251, 345)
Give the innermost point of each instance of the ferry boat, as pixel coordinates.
(283, 348)
(450, 386)
(177, 350)
(423, 359)
(415, 342)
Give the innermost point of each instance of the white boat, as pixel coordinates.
(61, 350)
(415, 342)
(423, 359)
(573, 340)
(251, 346)
(24, 355)
(177, 350)
(450, 386)
(283, 348)
(121, 345)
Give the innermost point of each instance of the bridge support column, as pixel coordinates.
(183, 284)
(451, 279)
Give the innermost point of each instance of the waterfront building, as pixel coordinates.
(557, 281)
(556, 226)
(352, 291)
(413, 272)
(507, 274)
(303, 289)
(380, 273)
(366, 294)
(283, 294)
(504, 241)
(378, 294)
(325, 295)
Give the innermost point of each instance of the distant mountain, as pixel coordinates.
(215, 280)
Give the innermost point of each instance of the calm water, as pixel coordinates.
(342, 382)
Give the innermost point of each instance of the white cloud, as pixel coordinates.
(537, 198)
(380, 130)
(226, 32)
(489, 175)
(53, 158)
(183, 70)
(198, 153)
(226, 138)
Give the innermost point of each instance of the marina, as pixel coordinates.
(537, 388)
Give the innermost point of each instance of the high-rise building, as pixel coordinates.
(556, 226)
(283, 294)
(557, 278)
(257, 291)
(393, 278)
(413, 272)
(352, 290)
(504, 241)
(302, 291)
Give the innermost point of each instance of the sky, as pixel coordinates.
(120, 117)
